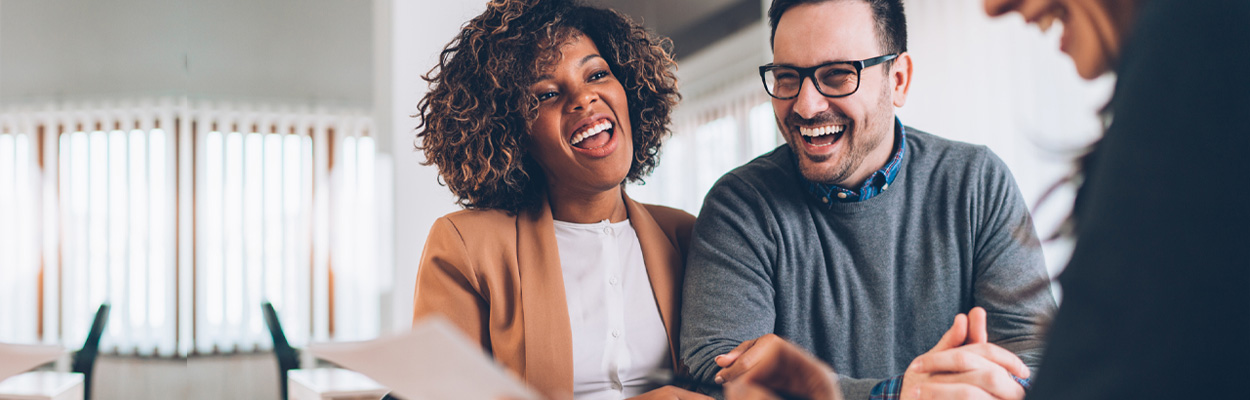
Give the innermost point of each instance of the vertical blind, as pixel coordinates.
(185, 217)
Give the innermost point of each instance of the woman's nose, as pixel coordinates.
(582, 100)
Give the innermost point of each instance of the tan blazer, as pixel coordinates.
(498, 277)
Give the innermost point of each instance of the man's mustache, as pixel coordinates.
(824, 118)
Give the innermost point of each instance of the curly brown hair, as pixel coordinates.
(475, 118)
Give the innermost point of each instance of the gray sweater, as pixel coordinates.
(864, 286)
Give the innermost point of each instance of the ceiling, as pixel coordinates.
(692, 24)
(667, 16)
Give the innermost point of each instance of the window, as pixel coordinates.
(185, 217)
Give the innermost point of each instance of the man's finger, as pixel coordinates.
(955, 336)
(952, 361)
(977, 331)
(998, 355)
(943, 391)
(996, 383)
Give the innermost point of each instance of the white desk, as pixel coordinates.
(43, 385)
(332, 384)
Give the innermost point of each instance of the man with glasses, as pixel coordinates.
(861, 239)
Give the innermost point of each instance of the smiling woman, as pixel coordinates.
(474, 120)
(539, 112)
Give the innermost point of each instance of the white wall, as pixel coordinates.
(315, 52)
(420, 30)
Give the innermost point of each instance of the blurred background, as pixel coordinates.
(185, 161)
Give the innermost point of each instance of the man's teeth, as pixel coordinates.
(593, 130)
(821, 131)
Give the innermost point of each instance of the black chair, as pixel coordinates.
(84, 360)
(288, 357)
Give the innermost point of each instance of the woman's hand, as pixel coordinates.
(670, 393)
(769, 366)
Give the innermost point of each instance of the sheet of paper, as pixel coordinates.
(433, 361)
(19, 358)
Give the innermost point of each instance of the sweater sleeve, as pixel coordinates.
(1009, 273)
(728, 289)
(447, 285)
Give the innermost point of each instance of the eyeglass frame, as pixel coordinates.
(810, 72)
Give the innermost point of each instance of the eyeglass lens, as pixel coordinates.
(831, 80)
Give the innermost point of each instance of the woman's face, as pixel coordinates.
(581, 136)
(1090, 36)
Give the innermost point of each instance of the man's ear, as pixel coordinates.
(900, 78)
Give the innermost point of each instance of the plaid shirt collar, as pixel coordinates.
(878, 182)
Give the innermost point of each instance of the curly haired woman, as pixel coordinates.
(538, 114)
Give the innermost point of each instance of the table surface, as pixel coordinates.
(43, 385)
(335, 382)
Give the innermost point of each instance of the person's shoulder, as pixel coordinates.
(675, 223)
(478, 222)
(927, 147)
(930, 151)
(665, 215)
(770, 169)
(948, 158)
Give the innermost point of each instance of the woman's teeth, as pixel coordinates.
(593, 130)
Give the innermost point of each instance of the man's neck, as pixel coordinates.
(875, 161)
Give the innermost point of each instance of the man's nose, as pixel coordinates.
(809, 102)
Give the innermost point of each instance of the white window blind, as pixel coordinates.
(20, 260)
(185, 217)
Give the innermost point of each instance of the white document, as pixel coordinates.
(434, 361)
(19, 358)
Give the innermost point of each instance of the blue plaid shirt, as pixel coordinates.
(878, 182)
(890, 389)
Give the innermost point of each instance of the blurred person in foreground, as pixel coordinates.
(538, 114)
(861, 238)
(1155, 295)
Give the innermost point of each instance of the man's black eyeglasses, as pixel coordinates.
(832, 79)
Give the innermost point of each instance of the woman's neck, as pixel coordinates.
(587, 208)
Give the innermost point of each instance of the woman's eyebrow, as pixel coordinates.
(584, 60)
(587, 58)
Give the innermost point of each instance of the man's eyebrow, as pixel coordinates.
(584, 60)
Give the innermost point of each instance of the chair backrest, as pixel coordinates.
(84, 360)
(287, 357)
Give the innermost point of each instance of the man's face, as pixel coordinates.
(843, 140)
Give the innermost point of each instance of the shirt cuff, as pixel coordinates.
(1024, 382)
(890, 389)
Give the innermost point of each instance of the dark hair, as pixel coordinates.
(475, 118)
(888, 17)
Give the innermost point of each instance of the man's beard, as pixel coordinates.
(859, 144)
